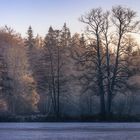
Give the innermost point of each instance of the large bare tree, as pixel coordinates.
(109, 30)
(94, 20)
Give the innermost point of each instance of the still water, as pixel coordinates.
(69, 131)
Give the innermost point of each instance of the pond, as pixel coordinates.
(69, 131)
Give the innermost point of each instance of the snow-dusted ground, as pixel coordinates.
(69, 131)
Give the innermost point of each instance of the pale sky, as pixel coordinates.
(40, 14)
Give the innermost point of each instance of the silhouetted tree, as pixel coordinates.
(94, 20)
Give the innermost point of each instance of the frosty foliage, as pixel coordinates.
(73, 75)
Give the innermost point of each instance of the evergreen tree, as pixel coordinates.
(30, 39)
(54, 56)
(65, 36)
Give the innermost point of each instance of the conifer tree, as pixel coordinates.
(30, 39)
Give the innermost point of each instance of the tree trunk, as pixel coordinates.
(100, 80)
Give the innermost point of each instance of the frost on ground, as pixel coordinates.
(69, 131)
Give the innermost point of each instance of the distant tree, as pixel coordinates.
(29, 42)
(6, 86)
(53, 64)
(55, 49)
(65, 36)
(31, 45)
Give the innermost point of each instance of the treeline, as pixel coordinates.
(94, 75)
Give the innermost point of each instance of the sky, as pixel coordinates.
(40, 14)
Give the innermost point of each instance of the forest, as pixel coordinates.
(90, 76)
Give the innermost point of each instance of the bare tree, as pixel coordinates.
(124, 21)
(94, 20)
(111, 68)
